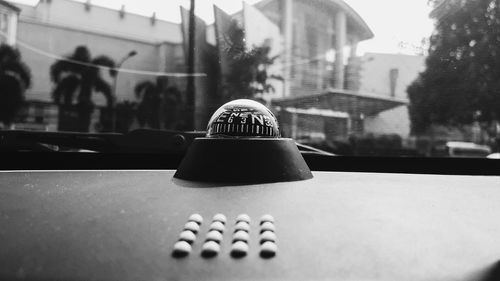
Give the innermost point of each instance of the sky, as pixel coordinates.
(399, 25)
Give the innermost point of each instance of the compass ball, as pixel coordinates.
(243, 118)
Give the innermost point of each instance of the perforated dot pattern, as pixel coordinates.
(238, 232)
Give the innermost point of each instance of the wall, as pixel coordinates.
(48, 31)
(312, 38)
(393, 121)
(62, 41)
(103, 20)
(8, 24)
(375, 70)
(375, 80)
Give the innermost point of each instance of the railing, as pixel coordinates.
(44, 116)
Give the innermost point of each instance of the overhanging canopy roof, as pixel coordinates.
(353, 18)
(343, 101)
(318, 112)
(364, 30)
(10, 6)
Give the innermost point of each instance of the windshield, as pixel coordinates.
(350, 77)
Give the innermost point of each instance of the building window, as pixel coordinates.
(310, 69)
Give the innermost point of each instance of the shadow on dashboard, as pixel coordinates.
(194, 184)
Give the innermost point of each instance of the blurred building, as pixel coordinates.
(377, 103)
(318, 38)
(54, 28)
(327, 91)
(8, 22)
(388, 76)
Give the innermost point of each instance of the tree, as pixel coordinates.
(125, 115)
(158, 101)
(461, 83)
(248, 74)
(149, 95)
(76, 78)
(15, 78)
(171, 109)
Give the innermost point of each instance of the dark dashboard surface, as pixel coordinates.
(122, 225)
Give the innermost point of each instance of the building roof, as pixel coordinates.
(342, 101)
(318, 112)
(353, 17)
(70, 14)
(10, 6)
(366, 32)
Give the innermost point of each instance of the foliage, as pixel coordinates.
(248, 74)
(171, 109)
(125, 114)
(433, 2)
(148, 111)
(76, 78)
(157, 101)
(461, 82)
(15, 78)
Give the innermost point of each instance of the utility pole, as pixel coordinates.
(190, 89)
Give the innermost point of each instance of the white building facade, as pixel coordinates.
(388, 76)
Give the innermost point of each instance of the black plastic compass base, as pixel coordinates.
(248, 161)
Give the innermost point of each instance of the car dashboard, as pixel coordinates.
(240, 203)
(123, 224)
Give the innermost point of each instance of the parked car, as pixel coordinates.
(461, 149)
(494, 155)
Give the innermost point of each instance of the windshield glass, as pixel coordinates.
(350, 77)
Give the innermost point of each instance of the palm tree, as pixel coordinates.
(125, 113)
(150, 97)
(76, 77)
(158, 102)
(15, 78)
(171, 108)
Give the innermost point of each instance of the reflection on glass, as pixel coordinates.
(338, 75)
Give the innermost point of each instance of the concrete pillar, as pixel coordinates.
(162, 60)
(352, 71)
(340, 42)
(12, 30)
(349, 126)
(287, 30)
(354, 48)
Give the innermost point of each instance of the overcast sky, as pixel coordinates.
(399, 25)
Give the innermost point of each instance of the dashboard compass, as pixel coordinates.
(243, 119)
(243, 144)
